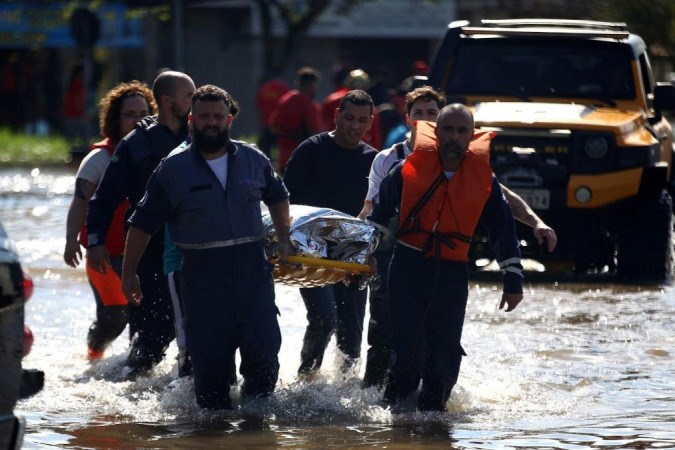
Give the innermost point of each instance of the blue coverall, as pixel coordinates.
(226, 282)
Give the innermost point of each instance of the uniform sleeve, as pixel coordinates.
(298, 174)
(388, 200)
(497, 221)
(275, 191)
(154, 209)
(111, 191)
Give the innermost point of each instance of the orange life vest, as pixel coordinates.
(444, 225)
(115, 238)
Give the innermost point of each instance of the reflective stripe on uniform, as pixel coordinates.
(217, 244)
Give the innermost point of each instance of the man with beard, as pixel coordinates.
(209, 195)
(443, 191)
(151, 324)
(423, 103)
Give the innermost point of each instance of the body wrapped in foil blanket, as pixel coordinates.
(330, 246)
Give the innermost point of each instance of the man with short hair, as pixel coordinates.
(443, 191)
(209, 194)
(136, 156)
(423, 103)
(330, 170)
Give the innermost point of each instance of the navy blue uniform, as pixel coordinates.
(428, 296)
(226, 282)
(323, 174)
(130, 167)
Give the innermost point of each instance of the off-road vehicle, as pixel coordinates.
(580, 134)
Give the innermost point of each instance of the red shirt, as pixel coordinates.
(295, 118)
(328, 107)
(268, 96)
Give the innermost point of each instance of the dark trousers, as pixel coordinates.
(336, 308)
(427, 303)
(379, 326)
(152, 322)
(228, 295)
(110, 320)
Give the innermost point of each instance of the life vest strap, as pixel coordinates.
(412, 217)
(435, 239)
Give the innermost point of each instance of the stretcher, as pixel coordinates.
(308, 271)
(330, 247)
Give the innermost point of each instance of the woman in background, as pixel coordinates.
(120, 109)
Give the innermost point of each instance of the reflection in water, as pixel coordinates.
(575, 366)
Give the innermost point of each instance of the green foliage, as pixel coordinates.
(654, 20)
(21, 148)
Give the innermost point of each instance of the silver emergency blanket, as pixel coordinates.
(324, 233)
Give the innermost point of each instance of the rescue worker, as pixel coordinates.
(330, 170)
(266, 98)
(137, 155)
(422, 103)
(209, 195)
(296, 115)
(121, 108)
(443, 191)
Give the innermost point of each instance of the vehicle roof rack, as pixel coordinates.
(562, 23)
(546, 32)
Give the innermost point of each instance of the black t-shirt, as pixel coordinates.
(323, 174)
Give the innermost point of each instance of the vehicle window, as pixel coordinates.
(646, 71)
(541, 68)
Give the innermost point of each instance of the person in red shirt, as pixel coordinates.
(296, 115)
(266, 99)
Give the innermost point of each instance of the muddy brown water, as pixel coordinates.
(575, 366)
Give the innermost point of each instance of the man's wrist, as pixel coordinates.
(93, 240)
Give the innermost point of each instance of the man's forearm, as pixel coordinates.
(281, 218)
(137, 241)
(367, 208)
(521, 211)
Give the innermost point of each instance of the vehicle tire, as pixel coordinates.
(645, 240)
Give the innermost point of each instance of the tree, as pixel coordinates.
(653, 20)
(297, 17)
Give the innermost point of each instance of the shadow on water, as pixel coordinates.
(326, 413)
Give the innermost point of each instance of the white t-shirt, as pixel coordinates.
(381, 166)
(93, 165)
(219, 167)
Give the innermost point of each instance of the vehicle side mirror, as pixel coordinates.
(664, 96)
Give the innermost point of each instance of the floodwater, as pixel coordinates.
(575, 366)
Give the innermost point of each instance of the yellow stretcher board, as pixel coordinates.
(307, 271)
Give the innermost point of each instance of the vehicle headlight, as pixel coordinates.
(596, 147)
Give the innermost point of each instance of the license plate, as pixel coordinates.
(536, 198)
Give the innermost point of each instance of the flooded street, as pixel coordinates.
(575, 366)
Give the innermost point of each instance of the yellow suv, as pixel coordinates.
(580, 134)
